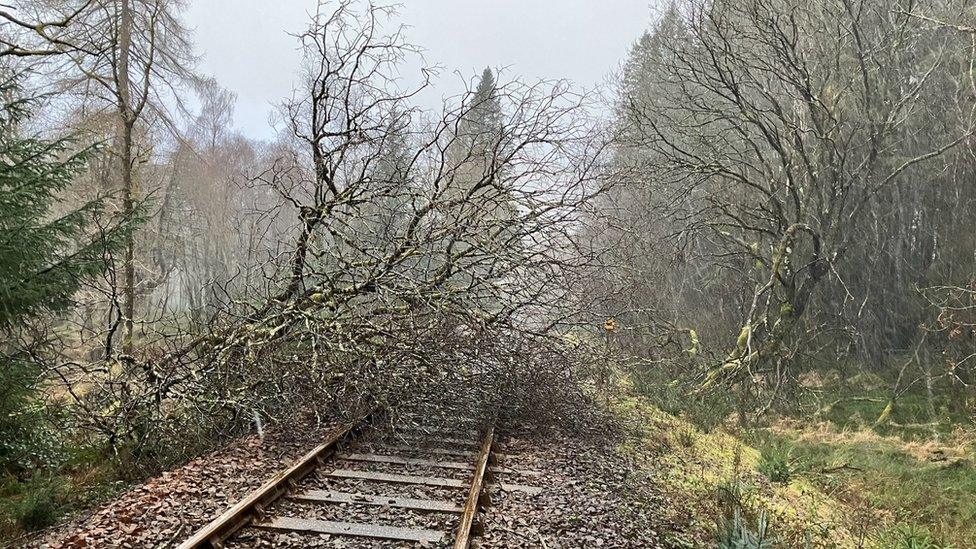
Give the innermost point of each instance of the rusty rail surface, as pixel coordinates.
(253, 506)
(476, 493)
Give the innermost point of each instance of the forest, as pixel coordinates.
(734, 281)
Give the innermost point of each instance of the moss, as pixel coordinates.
(694, 474)
(743, 339)
(885, 416)
(903, 484)
(693, 336)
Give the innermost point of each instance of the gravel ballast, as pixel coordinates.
(591, 496)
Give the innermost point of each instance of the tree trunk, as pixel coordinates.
(930, 399)
(127, 122)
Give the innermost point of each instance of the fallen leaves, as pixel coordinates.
(166, 509)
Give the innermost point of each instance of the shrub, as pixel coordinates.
(674, 388)
(775, 463)
(735, 533)
(19, 419)
(686, 435)
(39, 505)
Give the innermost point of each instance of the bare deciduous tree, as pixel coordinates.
(417, 256)
(775, 128)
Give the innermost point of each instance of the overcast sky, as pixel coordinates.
(246, 46)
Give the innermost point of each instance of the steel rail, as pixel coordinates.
(253, 505)
(475, 493)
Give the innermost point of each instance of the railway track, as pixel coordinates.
(421, 486)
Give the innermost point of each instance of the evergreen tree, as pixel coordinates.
(44, 255)
(482, 123)
(479, 150)
(389, 185)
(646, 77)
(476, 145)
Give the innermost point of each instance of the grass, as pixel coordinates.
(921, 485)
(911, 472)
(857, 403)
(36, 503)
(832, 476)
(714, 475)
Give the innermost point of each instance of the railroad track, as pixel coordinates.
(423, 486)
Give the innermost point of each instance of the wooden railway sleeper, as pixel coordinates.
(253, 509)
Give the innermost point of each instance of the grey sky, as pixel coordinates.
(245, 44)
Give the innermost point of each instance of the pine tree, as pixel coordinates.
(641, 82)
(484, 193)
(389, 184)
(482, 123)
(44, 256)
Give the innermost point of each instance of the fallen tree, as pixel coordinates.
(423, 257)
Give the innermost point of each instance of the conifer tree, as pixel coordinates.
(482, 123)
(45, 255)
(480, 149)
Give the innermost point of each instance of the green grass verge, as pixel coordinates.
(812, 485)
(714, 475)
(924, 487)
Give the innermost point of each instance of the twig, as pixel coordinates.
(846, 466)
